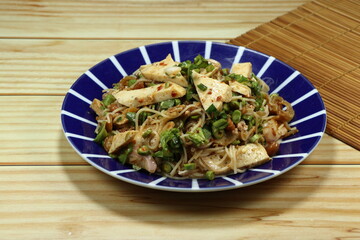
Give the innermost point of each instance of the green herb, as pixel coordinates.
(206, 133)
(226, 107)
(202, 87)
(198, 137)
(236, 142)
(212, 111)
(195, 117)
(124, 153)
(189, 166)
(236, 116)
(109, 99)
(189, 93)
(210, 175)
(177, 102)
(170, 143)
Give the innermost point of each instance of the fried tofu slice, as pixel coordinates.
(149, 95)
(244, 69)
(216, 92)
(250, 155)
(121, 139)
(240, 88)
(164, 71)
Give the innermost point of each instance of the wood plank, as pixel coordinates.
(39, 202)
(44, 67)
(136, 19)
(36, 138)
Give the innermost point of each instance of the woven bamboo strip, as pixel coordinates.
(321, 40)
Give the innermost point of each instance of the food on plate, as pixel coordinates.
(192, 119)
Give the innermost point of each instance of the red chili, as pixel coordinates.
(160, 87)
(173, 94)
(219, 98)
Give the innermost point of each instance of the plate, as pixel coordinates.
(78, 120)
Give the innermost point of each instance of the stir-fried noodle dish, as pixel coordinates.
(192, 119)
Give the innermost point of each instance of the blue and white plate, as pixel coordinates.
(79, 123)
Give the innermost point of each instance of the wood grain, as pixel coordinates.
(50, 67)
(108, 19)
(36, 138)
(315, 39)
(316, 202)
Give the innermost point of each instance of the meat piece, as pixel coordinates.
(146, 162)
(98, 107)
(273, 131)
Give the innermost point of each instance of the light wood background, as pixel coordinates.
(48, 192)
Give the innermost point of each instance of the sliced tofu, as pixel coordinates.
(216, 93)
(240, 88)
(149, 95)
(250, 155)
(164, 71)
(121, 139)
(98, 107)
(244, 69)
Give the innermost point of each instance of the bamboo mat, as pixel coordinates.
(321, 39)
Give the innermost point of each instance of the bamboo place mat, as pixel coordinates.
(321, 39)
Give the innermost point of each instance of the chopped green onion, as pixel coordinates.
(189, 166)
(101, 135)
(131, 117)
(210, 175)
(247, 117)
(135, 167)
(112, 155)
(131, 82)
(254, 138)
(147, 133)
(236, 116)
(109, 99)
(207, 133)
(167, 104)
(226, 107)
(202, 87)
(236, 142)
(167, 84)
(177, 101)
(225, 71)
(218, 133)
(189, 93)
(209, 68)
(143, 150)
(234, 104)
(195, 117)
(166, 167)
(220, 124)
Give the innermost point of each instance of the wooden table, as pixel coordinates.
(48, 192)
